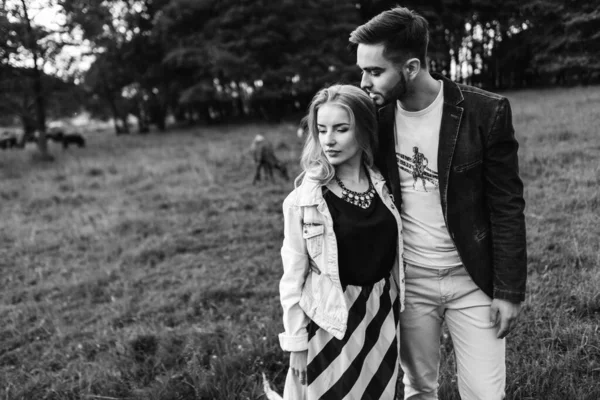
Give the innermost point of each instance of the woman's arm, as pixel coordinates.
(295, 269)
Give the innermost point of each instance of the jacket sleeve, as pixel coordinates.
(295, 269)
(504, 195)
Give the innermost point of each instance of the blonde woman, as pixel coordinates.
(342, 287)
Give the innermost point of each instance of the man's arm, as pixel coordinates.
(504, 195)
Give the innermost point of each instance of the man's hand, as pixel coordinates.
(298, 361)
(505, 313)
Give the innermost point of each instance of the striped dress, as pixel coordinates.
(364, 364)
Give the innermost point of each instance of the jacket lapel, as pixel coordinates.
(387, 151)
(451, 119)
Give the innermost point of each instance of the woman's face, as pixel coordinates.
(337, 135)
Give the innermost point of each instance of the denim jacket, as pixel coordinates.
(480, 188)
(310, 288)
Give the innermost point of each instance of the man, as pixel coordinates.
(464, 230)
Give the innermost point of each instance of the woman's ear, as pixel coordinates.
(412, 68)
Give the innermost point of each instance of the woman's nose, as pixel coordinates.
(329, 137)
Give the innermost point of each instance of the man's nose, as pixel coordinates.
(365, 82)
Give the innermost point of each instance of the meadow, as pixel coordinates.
(147, 267)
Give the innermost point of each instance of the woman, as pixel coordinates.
(342, 287)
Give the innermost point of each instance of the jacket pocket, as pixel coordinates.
(313, 234)
(482, 234)
(312, 265)
(467, 166)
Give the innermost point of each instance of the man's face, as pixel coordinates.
(380, 77)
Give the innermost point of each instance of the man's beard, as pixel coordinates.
(397, 91)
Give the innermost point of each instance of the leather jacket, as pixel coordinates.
(480, 188)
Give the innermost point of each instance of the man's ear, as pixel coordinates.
(412, 67)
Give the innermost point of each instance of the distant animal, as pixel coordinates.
(265, 158)
(55, 135)
(8, 140)
(72, 138)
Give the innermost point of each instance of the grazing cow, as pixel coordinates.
(8, 140)
(264, 157)
(72, 138)
(55, 135)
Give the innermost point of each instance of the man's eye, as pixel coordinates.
(375, 73)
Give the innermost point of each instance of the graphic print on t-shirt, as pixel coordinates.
(417, 166)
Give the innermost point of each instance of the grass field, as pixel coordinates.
(147, 267)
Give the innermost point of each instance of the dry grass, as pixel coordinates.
(146, 267)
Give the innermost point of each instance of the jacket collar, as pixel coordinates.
(452, 95)
(309, 192)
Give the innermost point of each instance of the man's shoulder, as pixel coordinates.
(476, 94)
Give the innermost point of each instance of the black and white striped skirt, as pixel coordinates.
(364, 364)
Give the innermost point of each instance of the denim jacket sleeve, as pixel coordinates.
(295, 269)
(504, 195)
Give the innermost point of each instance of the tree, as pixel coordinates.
(257, 58)
(128, 58)
(566, 39)
(31, 45)
(222, 59)
(106, 79)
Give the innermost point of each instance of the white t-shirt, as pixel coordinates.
(426, 239)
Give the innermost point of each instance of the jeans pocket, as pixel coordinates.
(313, 234)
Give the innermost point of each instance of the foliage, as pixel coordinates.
(17, 98)
(566, 39)
(217, 60)
(27, 48)
(275, 53)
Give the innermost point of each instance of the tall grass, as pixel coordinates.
(147, 267)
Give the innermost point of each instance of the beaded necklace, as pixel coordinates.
(363, 200)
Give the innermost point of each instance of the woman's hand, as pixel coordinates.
(298, 361)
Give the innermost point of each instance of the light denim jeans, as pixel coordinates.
(450, 295)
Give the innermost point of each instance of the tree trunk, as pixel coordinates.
(40, 107)
(115, 111)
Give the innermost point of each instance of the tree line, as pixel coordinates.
(214, 60)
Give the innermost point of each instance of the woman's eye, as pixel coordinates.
(343, 130)
(322, 132)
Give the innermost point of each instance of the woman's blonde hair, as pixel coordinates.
(363, 117)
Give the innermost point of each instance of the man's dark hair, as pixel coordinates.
(403, 33)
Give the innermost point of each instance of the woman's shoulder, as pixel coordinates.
(305, 193)
(291, 199)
